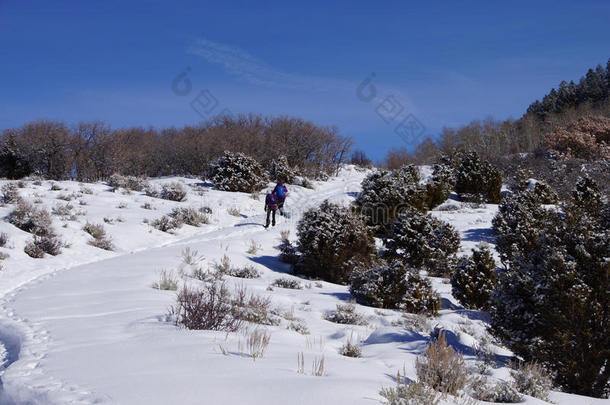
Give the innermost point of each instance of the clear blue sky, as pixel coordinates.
(445, 63)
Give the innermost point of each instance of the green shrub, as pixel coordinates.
(382, 285)
(332, 241)
(238, 172)
(550, 303)
(478, 181)
(438, 189)
(420, 297)
(474, 279)
(422, 241)
(282, 172)
(386, 194)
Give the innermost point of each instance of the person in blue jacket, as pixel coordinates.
(281, 192)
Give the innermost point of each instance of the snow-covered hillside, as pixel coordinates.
(86, 326)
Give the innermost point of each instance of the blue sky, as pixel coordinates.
(440, 63)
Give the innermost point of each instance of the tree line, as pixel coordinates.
(495, 139)
(91, 151)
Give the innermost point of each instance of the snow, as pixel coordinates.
(86, 327)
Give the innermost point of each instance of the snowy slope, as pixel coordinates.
(86, 327)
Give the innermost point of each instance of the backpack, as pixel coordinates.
(271, 201)
(280, 190)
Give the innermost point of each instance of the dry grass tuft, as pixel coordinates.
(441, 368)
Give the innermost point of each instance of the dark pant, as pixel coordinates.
(280, 205)
(269, 213)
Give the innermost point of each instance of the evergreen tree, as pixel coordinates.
(387, 193)
(519, 224)
(238, 172)
(420, 297)
(440, 185)
(422, 241)
(478, 180)
(383, 285)
(13, 164)
(552, 303)
(332, 242)
(474, 279)
(282, 172)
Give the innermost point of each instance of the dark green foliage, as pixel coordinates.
(420, 297)
(593, 88)
(519, 224)
(474, 279)
(542, 191)
(440, 185)
(387, 193)
(393, 285)
(282, 172)
(422, 241)
(552, 303)
(238, 172)
(586, 195)
(332, 241)
(382, 285)
(288, 252)
(13, 163)
(477, 180)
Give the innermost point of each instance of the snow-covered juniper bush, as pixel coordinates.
(420, 297)
(440, 185)
(332, 241)
(385, 194)
(282, 172)
(474, 279)
(540, 189)
(551, 303)
(478, 181)
(238, 172)
(382, 285)
(422, 241)
(394, 285)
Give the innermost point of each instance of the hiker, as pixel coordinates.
(271, 205)
(281, 191)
